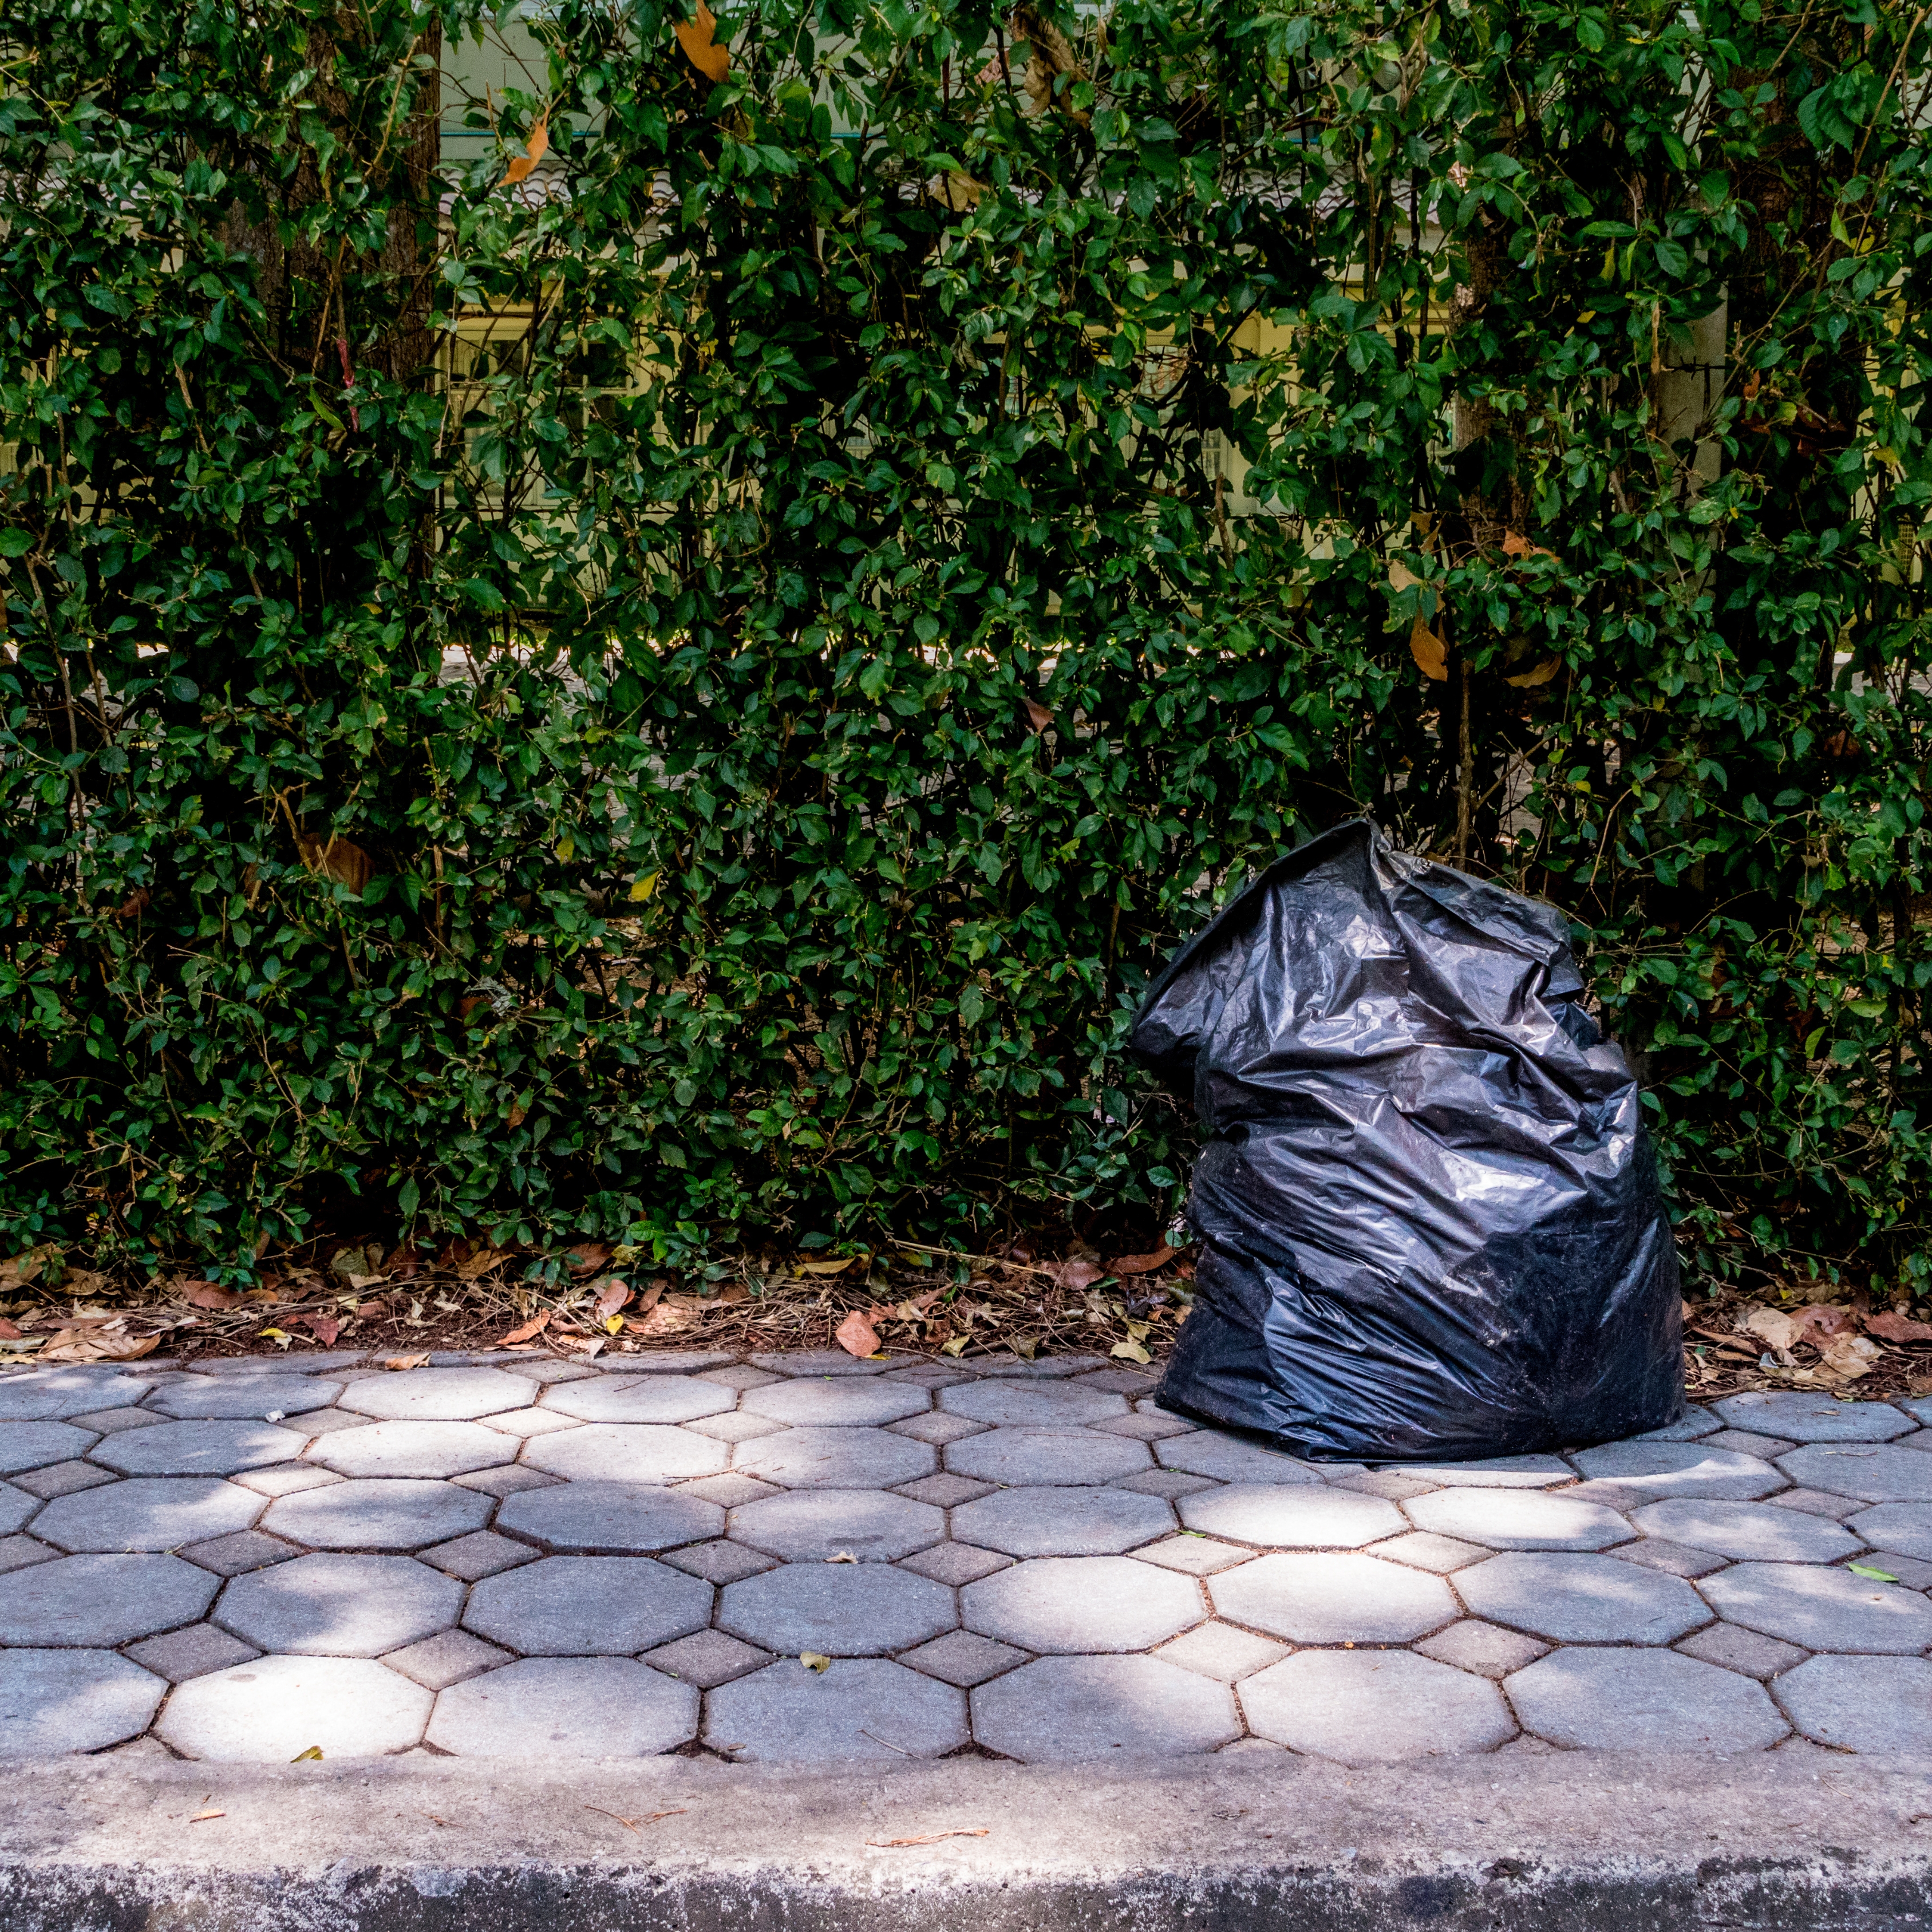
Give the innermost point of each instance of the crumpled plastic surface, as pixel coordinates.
(1429, 1221)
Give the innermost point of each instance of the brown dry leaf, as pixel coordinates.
(588, 1257)
(481, 1262)
(206, 1295)
(528, 1331)
(825, 1267)
(1896, 1327)
(348, 864)
(1542, 674)
(1515, 546)
(324, 1327)
(613, 1295)
(8, 1333)
(1038, 715)
(856, 1336)
(698, 37)
(29, 1266)
(667, 1318)
(535, 149)
(1849, 1357)
(83, 1282)
(1828, 1321)
(1430, 653)
(401, 1362)
(1775, 1329)
(80, 1345)
(1077, 1274)
(733, 1292)
(590, 1345)
(516, 1116)
(929, 1837)
(368, 1311)
(1144, 1263)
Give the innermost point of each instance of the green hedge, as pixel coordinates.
(945, 503)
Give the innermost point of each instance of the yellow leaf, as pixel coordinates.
(827, 1267)
(566, 848)
(312, 1756)
(643, 886)
(812, 1660)
(1430, 653)
(698, 37)
(1132, 1352)
(519, 169)
(1542, 674)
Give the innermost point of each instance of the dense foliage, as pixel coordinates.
(675, 678)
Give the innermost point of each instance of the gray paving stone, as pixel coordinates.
(861, 1709)
(720, 1562)
(650, 1362)
(1487, 1649)
(834, 1459)
(112, 1421)
(728, 1490)
(1817, 1502)
(1822, 1610)
(1802, 1416)
(1643, 1700)
(1194, 1554)
(1333, 1599)
(738, 1375)
(1582, 1599)
(1375, 1707)
(268, 1711)
(1674, 1559)
(1032, 1404)
(438, 1395)
(17, 1507)
(33, 1445)
(1654, 1470)
(626, 1452)
(150, 1512)
(815, 1525)
(235, 1555)
(1171, 1484)
(512, 1481)
(1905, 1528)
(1389, 1484)
(1862, 1703)
(1062, 1604)
(287, 1479)
(1066, 1709)
(735, 1427)
(192, 1652)
(838, 1610)
(1518, 1519)
(245, 1398)
(1919, 1408)
(1228, 1459)
(965, 1658)
(955, 1564)
(1013, 1457)
(320, 1422)
(1694, 1422)
(62, 1479)
(1263, 1748)
(1132, 1383)
(50, 1394)
(1063, 1522)
(1283, 1518)
(53, 1702)
(1221, 1651)
(450, 1657)
(588, 1606)
(1765, 1448)
(322, 1362)
(836, 1403)
(1142, 1428)
(340, 1606)
(17, 1552)
(1732, 1647)
(1043, 1368)
(480, 1554)
(659, 1399)
(929, 1375)
(609, 1519)
(937, 1428)
(1422, 1549)
(1494, 1472)
(707, 1658)
(198, 1448)
(1880, 1472)
(1914, 1573)
(387, 1514)
(1747, 1530)
(945, 1490)
(809, 1362)
(525, 1423)
(101, 1599)
(429, 1450)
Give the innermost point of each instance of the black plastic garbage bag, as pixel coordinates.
(1428, 1215)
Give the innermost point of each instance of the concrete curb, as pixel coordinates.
(1556, 1843)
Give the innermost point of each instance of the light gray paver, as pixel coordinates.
(1487, 1649)
(1170, 1485)
(596, 1519)
(1862, 1703)
(1750, 1652)
(1694, 1422)
(1582, 1599)
(588, 1606)
(1744, 1531)
(661, 1399)
(1063, 1522)
(385, 1514)
(843, 1403)
(272, 1708)
(233, 1555)
(1143, 1428)
(809, 1362)
(1494, 1472)
(707, 1658)
(728, 1490)
(1333, 1599)
(1880, 1472)
(1424, 1550)
(62, 1479)
(340, 1606)
(450, 1657)
(438, 1395)
(1817, 1502)
(1765, 1448)
(1064, 1604)
(1228, 1459)
(862, 1709)
(53, 1702)
(964, 1657)
(589, 1706)
(524, 1422)
(198, 1448)
(1652, 1700)
(1822, 1610)
(1801, 1417)
(834, 1459)
(1018, 1457)
(32, 1445)
(736, 1426)
(1021, 1405)
(1518, 1519)
(101, 1599)
(836, 1609)
(627, 1452)
(1067, 1708)
(480, 1554)
(244, 1398)
(511, 1481)
(1281, 1518)
(719, 1562)
(1658, 1469)
(1194, 1554)
(15, 1507)
(285, 1479)
(1366, 1707)
(150, 1512)
(955, 1564)
(945, 1490)
(193, 1652)
(815, 1525)
(17, 1552)
(936, 1428)
(1221, 1651)
(1674, 1559)
(421, 1449)
(47, 1396)
(1906, 1528)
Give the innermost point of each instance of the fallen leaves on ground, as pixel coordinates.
(814, 1659)
(1144, 1263)
(312, 1756)
(856, 1336)
(526, 1331)
(401, 1364)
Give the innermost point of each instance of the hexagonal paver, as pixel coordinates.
(245, 1398)
(1877, 1472)
(378, 1515)
(806, 1362)
(1862, 1703)
(33, 1445)
(588, 1606)
(1013, 1457)
(840, 1404)
(16, 1506)
(193, 1651)
(1581, 1599)
(1221, 1651)
(1375, 1707)
(1680, 1469)
(660, 1398)
(103, 1601)
(1487, 1649)
(1032, 1404)
(1279, 1517)
(53, 1702)
(1063, 1709)
(552, 1707)
(837, 1609)
(1228, 1459)
(1747, 1530)
(270, 1709)
(340, 1606)
(1694, 1422)
(1495, 1472)
(1906, 1528)
(1751, 1653)
(1063, 1522)
(865, 1709)
(1822, 1610)
(1650, 1700)
(609, 1519)
(47, 1396)
(1074, 1603)
(150, 1512)
(1518, 1519)
(1799, 1417)
(421, 1449)
(627, 1452)
(815, 1525)
(834, 1459)
(198, 1448)
(438, 1395)
(1335, 1599)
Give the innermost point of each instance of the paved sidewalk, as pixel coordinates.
(514, 1556)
